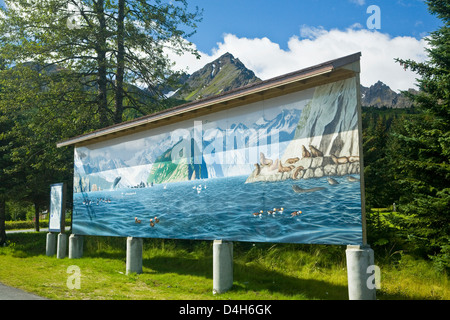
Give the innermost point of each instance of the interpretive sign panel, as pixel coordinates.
(57, 207)
(285, 169)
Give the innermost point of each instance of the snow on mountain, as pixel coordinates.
(235, 150)
(130, 176)
(283, 124)
(110, 164)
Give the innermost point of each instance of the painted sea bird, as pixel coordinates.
(258, 214)
(296, 213)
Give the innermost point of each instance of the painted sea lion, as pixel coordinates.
(281, 168)
(274, 166)
(264, 161)
(297, 189)
(353, 159)
(332, 181)
(305, 152)
(258, 169)
(292, 160)
(297, 171)
(339, 160)
(315, 152)
(352, 179)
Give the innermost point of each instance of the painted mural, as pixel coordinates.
(282, 170)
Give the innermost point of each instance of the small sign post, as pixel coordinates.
(57, 217)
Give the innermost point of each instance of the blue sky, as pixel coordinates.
(281, 19)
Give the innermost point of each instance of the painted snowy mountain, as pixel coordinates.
(242, 142)
(151, 161)
(227, 152)
(88, 165)
(284, 123)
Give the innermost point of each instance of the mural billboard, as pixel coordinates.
(286, 170)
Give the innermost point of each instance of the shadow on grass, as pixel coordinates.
(27, 244)
(252, 279)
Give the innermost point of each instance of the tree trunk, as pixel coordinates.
(36, 217)
(101, 65)
(118, 112)
(2, 221)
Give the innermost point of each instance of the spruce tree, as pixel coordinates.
(117, 47)
(422, 157)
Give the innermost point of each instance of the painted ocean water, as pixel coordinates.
(223, 208)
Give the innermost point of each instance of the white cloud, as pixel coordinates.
(267, 59)
(359, 2)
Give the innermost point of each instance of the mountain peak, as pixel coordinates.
(381, 95)
(221, 75)
(226, 56)
(380, 84)
(229, 58)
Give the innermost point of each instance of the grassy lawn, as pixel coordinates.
(182, 270)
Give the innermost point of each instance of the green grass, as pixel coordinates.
(28, 224)
(182, 270)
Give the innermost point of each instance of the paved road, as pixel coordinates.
(25, 230)
(10, 293)
(31, 230)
